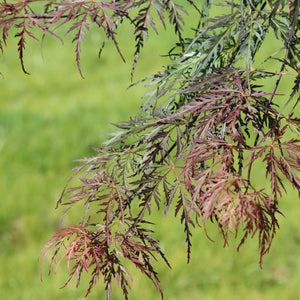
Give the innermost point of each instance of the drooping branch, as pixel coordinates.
(190, 149)
(79, 16)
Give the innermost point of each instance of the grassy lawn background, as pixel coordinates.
(47, 120)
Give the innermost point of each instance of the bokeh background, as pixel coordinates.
(48, 119)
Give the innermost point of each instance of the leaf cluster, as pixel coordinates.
(78, 16)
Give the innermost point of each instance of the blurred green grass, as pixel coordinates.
(47, 120)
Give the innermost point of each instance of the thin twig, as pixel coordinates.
(264, 119)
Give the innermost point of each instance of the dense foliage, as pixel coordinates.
(209, 122)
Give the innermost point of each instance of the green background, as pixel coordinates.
(47, 120)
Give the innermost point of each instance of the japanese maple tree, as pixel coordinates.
(193, 148)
